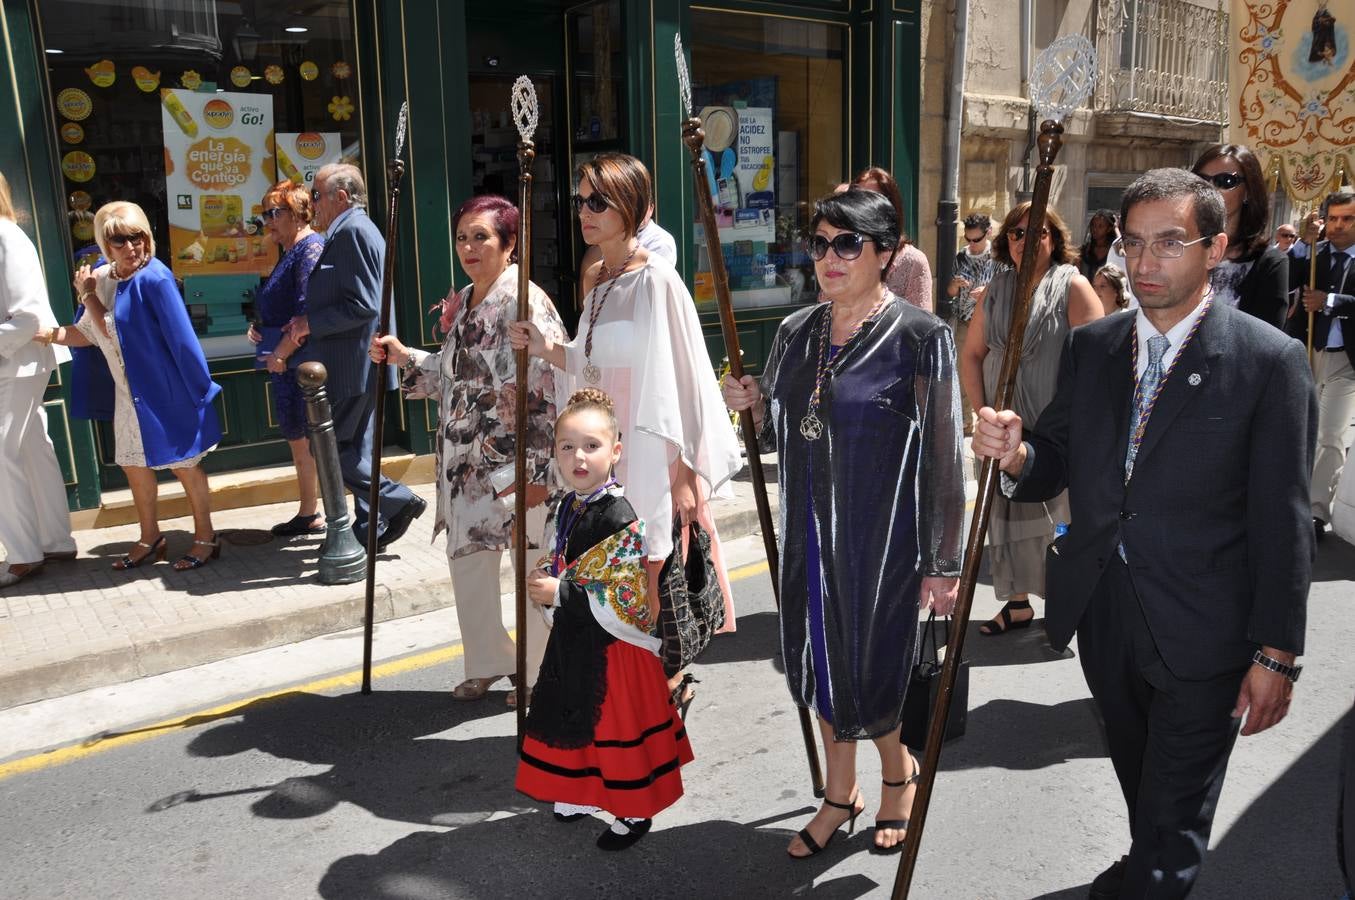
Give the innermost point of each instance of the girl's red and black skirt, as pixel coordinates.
(633, 766)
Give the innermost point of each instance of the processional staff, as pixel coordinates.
(694, 137)
(524, 110)
(395, 172)
(1061, 80)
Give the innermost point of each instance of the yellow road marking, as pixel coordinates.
(62, 755)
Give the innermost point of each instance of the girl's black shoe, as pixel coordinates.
(635, 829)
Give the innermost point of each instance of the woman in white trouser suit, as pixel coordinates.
(36, 524)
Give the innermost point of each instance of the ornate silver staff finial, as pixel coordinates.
(524, 107)
(684, 79)
(1063, 77)
(401, 126)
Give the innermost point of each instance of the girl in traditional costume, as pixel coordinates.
(602, 732)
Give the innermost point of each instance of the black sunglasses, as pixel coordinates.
(978, 240)
(122, 240)
(1224, 181)
(847, 245)
(597, 204)
(1019, 234)
(273, 212)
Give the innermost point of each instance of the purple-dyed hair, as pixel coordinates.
(500, 209)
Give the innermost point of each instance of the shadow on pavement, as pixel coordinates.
(532, 855)
(1284, 845)
(1335, 560)
(1018, 648)
(758, 639)
(382, 754)
(1052, 735)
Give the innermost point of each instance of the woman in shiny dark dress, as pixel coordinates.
(860, 398)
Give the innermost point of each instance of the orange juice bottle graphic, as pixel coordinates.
(181, 116)
(288, 167)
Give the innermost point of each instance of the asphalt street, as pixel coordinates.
(270, 776)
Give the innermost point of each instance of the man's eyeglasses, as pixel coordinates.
(978, 240)
(597, 203)
(1163, 248)
(847, 245)
(316, 194)
(122, 240)
(272, 212)
(1224, 181)
(1019, 234)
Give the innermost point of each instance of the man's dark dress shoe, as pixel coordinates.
(400, 522)
(1319, 529)
(1106, 886)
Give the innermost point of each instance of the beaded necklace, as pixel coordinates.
(571, 511)
(1146, 404)
(591, 373)
(811, 426)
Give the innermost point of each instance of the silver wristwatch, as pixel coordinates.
(1274, 665)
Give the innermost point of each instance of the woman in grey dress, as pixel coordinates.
(1018, 533)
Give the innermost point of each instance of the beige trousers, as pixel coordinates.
(479, 611)
(1335, 381)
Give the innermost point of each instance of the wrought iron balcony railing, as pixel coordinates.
(1162, 57)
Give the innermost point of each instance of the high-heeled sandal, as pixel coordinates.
(896, 824)
(852, 812)
(158, 550)
(476, 688)
(684, 693)
(189, 561)
(1007, 623)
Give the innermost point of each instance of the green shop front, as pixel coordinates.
(192, 108)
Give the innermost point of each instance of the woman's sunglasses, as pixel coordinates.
(847, 245)
(596, 203)
(122, 240)
(272, 212)
(1019, 234)
(1224, 181)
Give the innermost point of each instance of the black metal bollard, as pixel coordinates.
(343, 560)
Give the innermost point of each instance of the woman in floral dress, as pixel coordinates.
(473, 380)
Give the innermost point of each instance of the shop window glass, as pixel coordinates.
(192, 109)
(598, 65)
(771, 93)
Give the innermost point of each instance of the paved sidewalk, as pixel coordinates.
(81, 624)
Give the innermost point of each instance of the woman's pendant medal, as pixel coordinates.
(592, 374)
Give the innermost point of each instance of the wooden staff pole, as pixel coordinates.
(694, 137)
(1312, 285)
(526, 154)
(1050, 142)
(395, 173)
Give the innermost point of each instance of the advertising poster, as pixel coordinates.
(300, 156)
(218, 164)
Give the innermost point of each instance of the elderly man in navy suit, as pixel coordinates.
(343, 300)
(1184, 433)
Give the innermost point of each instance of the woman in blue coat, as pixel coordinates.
(163, 416)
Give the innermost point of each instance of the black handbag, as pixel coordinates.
(691, 605)
(923, 686)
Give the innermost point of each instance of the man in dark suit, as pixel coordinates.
(1184, 433)
(1332, 303)
(343, 310)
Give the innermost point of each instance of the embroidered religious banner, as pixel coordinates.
(1293, 86)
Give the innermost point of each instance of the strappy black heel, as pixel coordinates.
(852, 810)
(154, 552)
(188, 561)
(991, 627)
(897, 824)
(684, 694)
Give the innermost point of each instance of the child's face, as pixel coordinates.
(585, 449)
